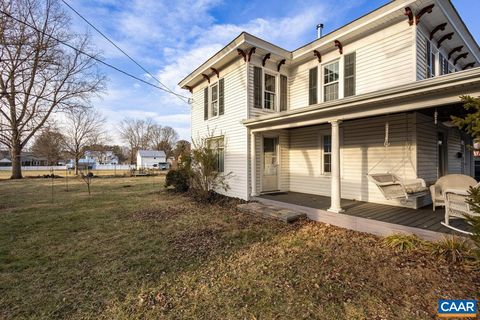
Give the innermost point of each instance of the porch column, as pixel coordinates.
(335, 192)
(253, 165)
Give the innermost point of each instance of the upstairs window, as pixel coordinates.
(330, 81)
(430, 59)
(313, 86)
(444, 65)
(214, 102)
(269, 94)
(349, 75)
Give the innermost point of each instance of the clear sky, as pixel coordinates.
(171, 38)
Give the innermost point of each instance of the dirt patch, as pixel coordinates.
(201, 242)
(168, 212)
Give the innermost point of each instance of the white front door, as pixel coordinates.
(270, 164)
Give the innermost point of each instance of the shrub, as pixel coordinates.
(452, 249)
(474, 201)
(205, 177)
(179, 179)
(403, 242)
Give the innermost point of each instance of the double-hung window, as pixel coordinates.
(327, 153)
(330, 81)
(218, 148)
(312, 86)
(430, 59)
(214, 103)
(444, 65)
(269, 93)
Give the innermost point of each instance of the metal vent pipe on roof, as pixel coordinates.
(319, 30)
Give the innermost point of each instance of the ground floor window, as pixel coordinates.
(327, 153)
(218, 147)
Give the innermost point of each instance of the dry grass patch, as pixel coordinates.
(144, 253)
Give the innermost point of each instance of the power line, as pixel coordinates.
(86, 54)
(121, 50)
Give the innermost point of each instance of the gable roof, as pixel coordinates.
(151, 153)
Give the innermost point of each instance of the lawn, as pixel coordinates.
(134, 250)
(5, 174)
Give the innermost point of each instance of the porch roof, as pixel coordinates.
(439, 91)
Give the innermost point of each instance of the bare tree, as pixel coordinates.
(83, 127)
(137, 134)
(49, 144)
(39, 75)
(164, 138)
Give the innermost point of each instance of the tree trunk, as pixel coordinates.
(76, 165)
(16, 161)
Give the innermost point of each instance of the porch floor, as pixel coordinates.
(423, 218)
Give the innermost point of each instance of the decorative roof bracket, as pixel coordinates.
(317, 54)
(427, 9)
(252, 51)
(457, 49)
(265, 58)
(438, 28)
(409, 14)
(339, 45)
(445, 37)
(470, 65)
(216, 72)
(243, 54)
(461, 56)
(189, 88)
(280, 64)
(206, 77)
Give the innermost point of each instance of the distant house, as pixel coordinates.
(5, 162)
(150, 158)
(28, 159)
(101, 157)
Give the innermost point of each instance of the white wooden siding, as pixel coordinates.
(229, 125)
(386, 60)
(383, 59)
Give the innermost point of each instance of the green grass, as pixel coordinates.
(134, 250)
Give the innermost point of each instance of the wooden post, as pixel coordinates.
(335, 192)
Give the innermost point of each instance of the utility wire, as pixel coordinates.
(122, 51)
(85, 53)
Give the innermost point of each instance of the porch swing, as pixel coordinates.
(391, 186)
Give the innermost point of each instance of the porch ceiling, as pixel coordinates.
(440, 91)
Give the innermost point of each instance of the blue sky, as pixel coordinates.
(171, 38)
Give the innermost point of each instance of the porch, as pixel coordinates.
(367, 217)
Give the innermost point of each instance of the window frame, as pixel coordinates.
(431, 57)
(217, 139)
(338, 81)
(275, 93)
(325, 153)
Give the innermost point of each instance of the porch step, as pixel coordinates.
(270, 211)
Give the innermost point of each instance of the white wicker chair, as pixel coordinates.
(456, 206)
(450, 181)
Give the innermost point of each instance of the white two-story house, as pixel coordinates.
(373, 96)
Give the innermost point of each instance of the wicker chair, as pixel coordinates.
(456, 206)
(450, 181)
